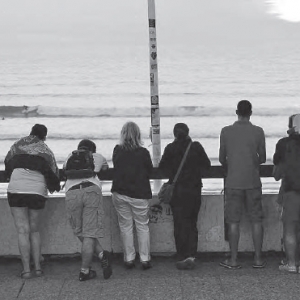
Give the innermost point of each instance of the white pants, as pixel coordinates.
(129, 209)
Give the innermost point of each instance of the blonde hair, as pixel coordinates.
(130, 136)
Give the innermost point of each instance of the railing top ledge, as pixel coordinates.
(213, 172)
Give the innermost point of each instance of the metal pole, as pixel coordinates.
(155, 117)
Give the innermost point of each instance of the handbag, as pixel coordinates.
(166, 191)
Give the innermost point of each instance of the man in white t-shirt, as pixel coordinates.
(84, 205)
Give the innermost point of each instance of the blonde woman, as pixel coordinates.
(131, 192)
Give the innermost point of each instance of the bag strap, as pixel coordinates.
(182, 162)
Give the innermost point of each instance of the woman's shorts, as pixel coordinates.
(32, 201)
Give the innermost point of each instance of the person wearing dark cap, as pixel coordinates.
(287, 159)
(242, 150)
(32, 169)
(186, 199)
(84, 205)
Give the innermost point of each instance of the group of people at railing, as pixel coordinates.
(33, 171)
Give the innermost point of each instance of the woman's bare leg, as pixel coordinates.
(20, 215)
(35, 240)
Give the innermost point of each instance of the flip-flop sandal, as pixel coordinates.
(228, 266)
(259, 266)
(39, 273)
(26, 275)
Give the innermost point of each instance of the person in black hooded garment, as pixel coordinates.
(186, 199)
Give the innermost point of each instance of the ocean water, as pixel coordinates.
(90, 93)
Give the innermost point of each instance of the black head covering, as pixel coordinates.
(88, 145)
(181, 131)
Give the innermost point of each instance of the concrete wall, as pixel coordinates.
(57, 236)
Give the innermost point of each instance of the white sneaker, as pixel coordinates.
(288, 268)
(186, 264)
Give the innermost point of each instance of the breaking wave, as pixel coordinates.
(165, 111)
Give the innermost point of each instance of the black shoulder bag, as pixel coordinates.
(166, 191)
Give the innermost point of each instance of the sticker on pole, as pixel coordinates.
(155, 131)
(152, 78)
(154, 100)
(152, 23)
(155, 116)
(154, 55)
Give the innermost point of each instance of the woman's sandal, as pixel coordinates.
(39, 273)
(26, 275)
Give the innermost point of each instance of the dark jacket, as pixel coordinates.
(190, 176)
(290, 166)
(132, 172)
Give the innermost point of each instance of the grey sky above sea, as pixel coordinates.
(216, 22)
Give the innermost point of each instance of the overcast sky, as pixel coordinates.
(103, 21)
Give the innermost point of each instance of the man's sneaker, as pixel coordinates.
(90, 275)
(288, 268)
(284, 261)
(146, 265)
(186, 264)
(129, 264)
(106, 264)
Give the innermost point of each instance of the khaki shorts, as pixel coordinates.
(85, 211)
(236, 200)
(290, 207)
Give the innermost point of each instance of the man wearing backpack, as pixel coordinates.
(287, 158)
(84, 205)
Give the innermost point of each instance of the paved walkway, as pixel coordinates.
(163, 281)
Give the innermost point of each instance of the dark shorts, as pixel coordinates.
(32, 201)
(291, 207)
(236, 200)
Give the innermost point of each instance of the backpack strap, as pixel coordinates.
(182, 162)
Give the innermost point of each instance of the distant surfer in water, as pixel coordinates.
(25, 110)
(29, 111)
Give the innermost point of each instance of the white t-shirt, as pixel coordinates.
(99, 162)
(25, 181)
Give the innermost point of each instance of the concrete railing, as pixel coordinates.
(213, 172)
(58, 238)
